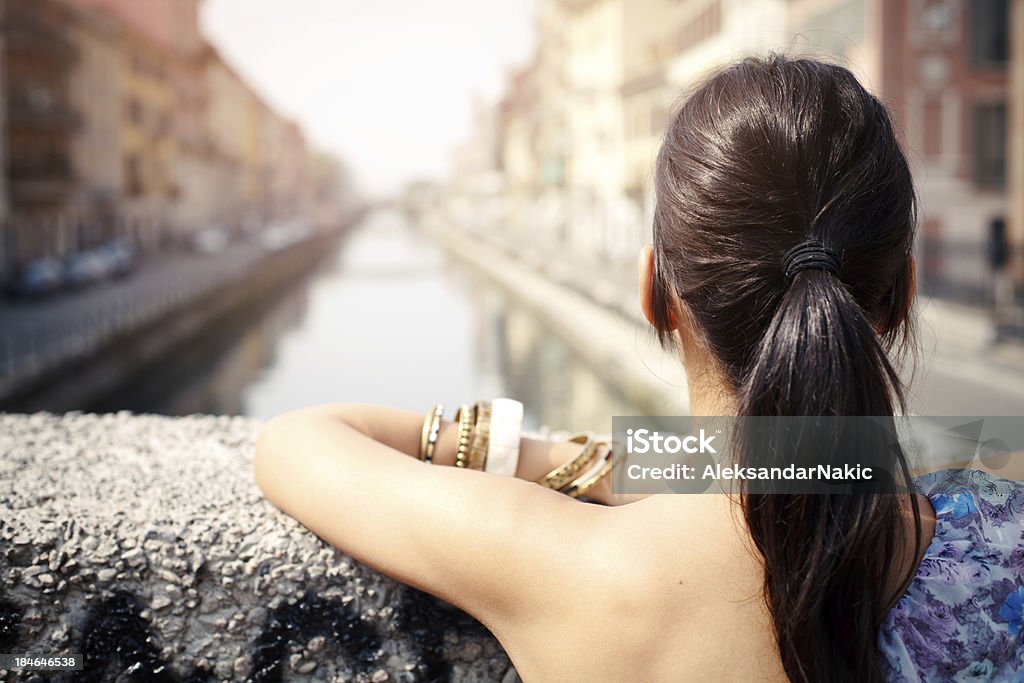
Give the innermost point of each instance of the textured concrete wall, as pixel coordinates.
(142, 543)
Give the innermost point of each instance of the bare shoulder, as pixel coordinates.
(690, 538)
(648, 597)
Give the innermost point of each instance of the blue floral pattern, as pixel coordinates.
(962, 618)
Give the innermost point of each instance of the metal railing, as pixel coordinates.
(32, 348)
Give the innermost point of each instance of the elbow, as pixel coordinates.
(270, 452)
(283, 443)
(262, 456)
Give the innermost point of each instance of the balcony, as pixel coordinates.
(38, 39)
(40, 180)
(24, 112)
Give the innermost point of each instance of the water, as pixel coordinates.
(391, 320)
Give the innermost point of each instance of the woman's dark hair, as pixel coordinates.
(768, 154)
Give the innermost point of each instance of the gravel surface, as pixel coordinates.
(143, 543)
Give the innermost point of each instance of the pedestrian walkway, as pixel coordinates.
(961, 369)
(36, 336)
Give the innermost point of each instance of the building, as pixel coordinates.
(148, 142)
(953, 101)
(543, 91)
(273, 130)
(225, 112)
(196, 169)
(594, 126)
(941, 67)
(170, 24)
(119, 119)
(608, 73)
(170, 29)
(477, 197)
(39, 121)
(255, 160)
(95, 92)
(550, 97)
(518, 125)
(6, 243)
(588, 113)
(331, 191)
(293, 169)
(651, 38)
(1015, 166)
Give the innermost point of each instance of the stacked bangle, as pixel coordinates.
(466, 417)
(477, 459)
(474, 425)
(568, 479)
(597, 472)
(489, 437)
(431, 429)
(505, 435)
(563, 475)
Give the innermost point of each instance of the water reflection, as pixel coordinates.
(391, 320)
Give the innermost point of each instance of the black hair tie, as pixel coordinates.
(810, 255)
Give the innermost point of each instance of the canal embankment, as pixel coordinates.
(956, 368)
(89, 348)
(618, 347)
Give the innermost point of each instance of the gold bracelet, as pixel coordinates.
(424, 433)
(466, 417)
(560, 476)
(481, 436)
(431, 429)
(581, 486)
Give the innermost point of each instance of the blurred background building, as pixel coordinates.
(579, 125)
(120, 121)
(151, 196)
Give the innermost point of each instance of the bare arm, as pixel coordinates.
(484, 543)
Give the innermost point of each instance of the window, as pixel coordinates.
(989, 148)
(932, 134)
(707, 23)
(990, 33)
(135, 111)
(133, 171)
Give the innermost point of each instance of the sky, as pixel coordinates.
(386, 85)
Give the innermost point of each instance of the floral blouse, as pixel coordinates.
(962, 618)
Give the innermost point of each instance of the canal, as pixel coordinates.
(389, 319)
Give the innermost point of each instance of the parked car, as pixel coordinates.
(210, 240)
(281, 234)
(252, 224)
(42, 276)
(85, 268)
(122, 257)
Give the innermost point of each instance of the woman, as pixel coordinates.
(782, 271)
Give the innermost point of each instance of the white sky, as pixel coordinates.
(387, 85)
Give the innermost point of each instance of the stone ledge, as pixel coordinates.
(142, 543)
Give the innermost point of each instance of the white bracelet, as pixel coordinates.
(506, 432)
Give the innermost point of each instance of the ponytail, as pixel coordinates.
(827, 557)
(761, 156)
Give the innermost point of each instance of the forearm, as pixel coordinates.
(401, 430)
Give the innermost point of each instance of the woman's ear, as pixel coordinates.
(645, 268)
